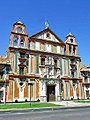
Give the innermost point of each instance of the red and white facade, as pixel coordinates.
(53, 66)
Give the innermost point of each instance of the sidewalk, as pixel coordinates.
(67, 105)
(70, 104)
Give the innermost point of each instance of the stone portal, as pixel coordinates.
(51, 93)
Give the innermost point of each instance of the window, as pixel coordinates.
(1, 75)
(48, 35)
(86, 79)
(64, 50)
(72, 61)
(65, 67)
(19, 29)
(42, 61)
(27, 55)
(72, 74)
(69, 49)
(42, 47)
(71, 40)
(54, 49)
(73, 50)
(74, 67)
(22, 42)
(29, 45)
(16, 61)
(33, 45)
(1, 95)
(55, 63)
(15, 41)
(49, 60)
(37, 64)
(32, 64)
(22, 55)
(87, 93)
(21, 70)
(27, 63)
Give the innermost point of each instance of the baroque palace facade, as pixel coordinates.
(44, 60)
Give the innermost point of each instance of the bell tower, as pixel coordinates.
(18, 36)
(71, 45)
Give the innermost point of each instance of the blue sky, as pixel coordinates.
(64, 16)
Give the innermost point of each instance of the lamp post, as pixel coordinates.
(5, 87)
(31, 84)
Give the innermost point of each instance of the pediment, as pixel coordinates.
(47, 34)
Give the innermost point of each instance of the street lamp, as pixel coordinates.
(31, 84)
(5, 85)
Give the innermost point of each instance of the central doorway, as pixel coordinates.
(51, 93)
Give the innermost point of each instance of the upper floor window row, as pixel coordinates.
(44, 47)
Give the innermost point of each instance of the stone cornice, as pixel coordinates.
(45, 52)
(48, 41)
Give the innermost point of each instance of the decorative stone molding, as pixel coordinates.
(51, 82)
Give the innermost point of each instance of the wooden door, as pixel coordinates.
(50, 93)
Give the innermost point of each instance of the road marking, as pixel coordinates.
(19, 113)
(10, 114)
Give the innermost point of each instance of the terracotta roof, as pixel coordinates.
(4, 60)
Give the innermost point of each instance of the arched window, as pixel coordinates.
(71, 40)
(19, 29)
(15, 41)
(69, 50)
(29, 45)
(55, 63)
(42, 61)
(73, 50)
(48, 35)
(64, 50)
(22, 42)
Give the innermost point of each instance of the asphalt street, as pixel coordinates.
(67, 114)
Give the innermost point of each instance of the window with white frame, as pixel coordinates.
(42, 46)
(32, 45)
(42, 61)
(54, 48)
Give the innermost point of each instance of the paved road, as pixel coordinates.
(74, 114)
